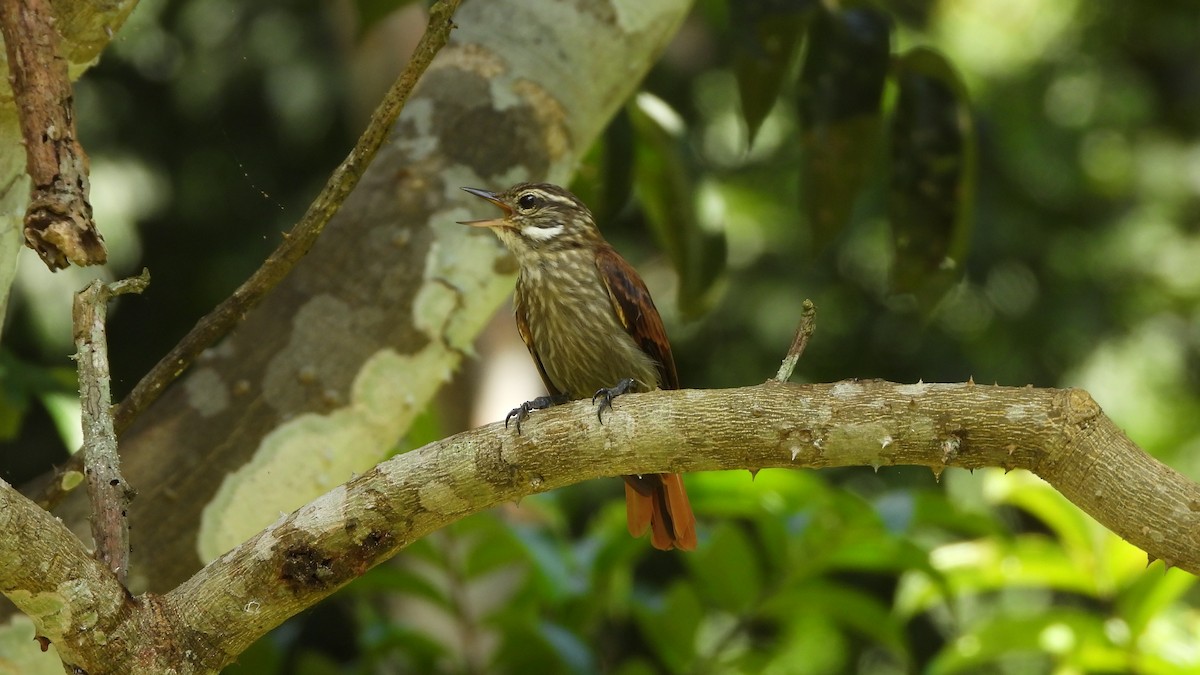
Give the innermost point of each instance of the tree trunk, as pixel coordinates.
(325, 376)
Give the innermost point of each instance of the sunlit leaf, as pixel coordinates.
(932, 175)
(1151, 595)
(1028, 560)
(1076, 532)
(1062, 635)
(841, 89)
(812, 645)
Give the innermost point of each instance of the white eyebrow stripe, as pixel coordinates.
(542, 233)
(556, 198)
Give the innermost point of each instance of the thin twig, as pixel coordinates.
(294, 246)
(58, 219)
(109, 492)
(799, 342)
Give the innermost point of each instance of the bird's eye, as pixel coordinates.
(527, 201)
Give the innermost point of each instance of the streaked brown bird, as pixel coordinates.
(592, 330)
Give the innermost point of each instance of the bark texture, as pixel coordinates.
(1061, 435)
(324, 377)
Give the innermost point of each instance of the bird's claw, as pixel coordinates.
(606, 396)
(522, 411)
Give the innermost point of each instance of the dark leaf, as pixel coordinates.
(767, 38)
(666, 187)
(932, 175)
(616, 186)
(371, 12)
(841, 88)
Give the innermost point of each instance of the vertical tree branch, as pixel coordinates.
(799, 342)
(214, 325)
(109, 492)
(58, 220)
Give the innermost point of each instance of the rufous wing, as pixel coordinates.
(636, 311)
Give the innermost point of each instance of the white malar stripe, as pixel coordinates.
(542, 233)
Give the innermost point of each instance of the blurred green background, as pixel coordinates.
(1007, 190)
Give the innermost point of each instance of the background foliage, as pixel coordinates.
(1041, 226)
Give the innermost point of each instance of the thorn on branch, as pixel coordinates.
(799, 342)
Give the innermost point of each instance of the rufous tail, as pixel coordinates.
(659, 502)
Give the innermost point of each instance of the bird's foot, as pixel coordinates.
(606, 396)
(522, 411)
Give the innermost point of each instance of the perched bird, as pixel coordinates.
(592, 330)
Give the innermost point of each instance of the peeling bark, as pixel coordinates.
(58, 219)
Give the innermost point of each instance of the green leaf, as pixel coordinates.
(371, 12)
(932, 175)
(1076, 531)
(727, 569)
(531, 646)
(1070, 637)
(768, 36)
(667, 188)
(932, 509)
(617, 167)
(489, 544)
(1150, 596)
(560, 576)
(421, 651)
(1028, 560)
(813, 645)
(671, 625)
(849, 607)
(22, 382)
(841, 89)
(395, 577)
(571, 651)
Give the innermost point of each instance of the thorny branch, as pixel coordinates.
(1061, 435)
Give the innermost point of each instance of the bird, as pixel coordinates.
(592, 330)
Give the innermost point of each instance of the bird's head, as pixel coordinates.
(538, 218)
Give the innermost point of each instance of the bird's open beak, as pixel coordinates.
(491, 197)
